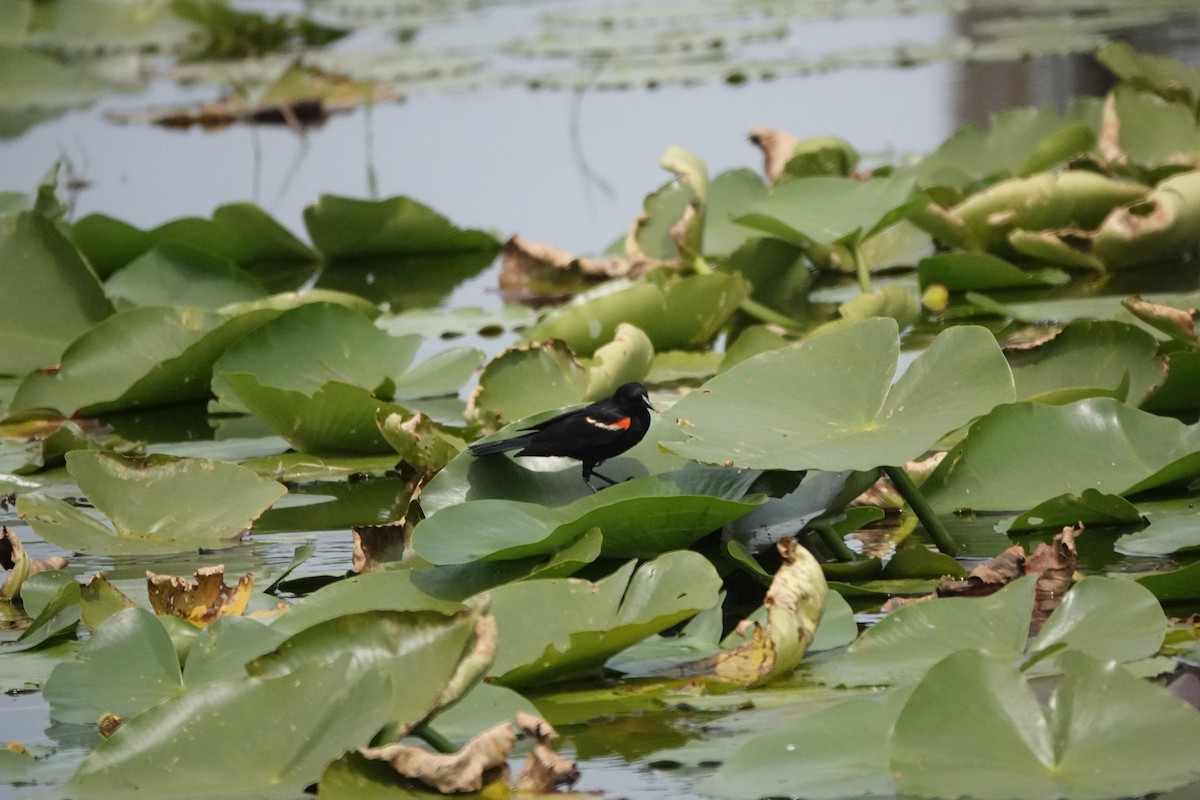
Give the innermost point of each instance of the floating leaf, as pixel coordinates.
(192, 732)
(1097, 357)
(127, 666)
(638, 518)
(1013, 457)
(550, 629)
(239, 232)
(158, 504)
(979, 271)
(137, 358)
(53, 296)
(829, 404)
(834, 753)
(344, 229)
(675, 314)
(1105, 733)
(176, 275)
(1090, 509)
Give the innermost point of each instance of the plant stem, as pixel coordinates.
(749, 305)
(434, 739)
(860, 267)
(920, 506)
(831, 539)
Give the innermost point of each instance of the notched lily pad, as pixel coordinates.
(157, 504)
(829, 404)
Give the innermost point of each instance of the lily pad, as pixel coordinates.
(1091, 509)
(53, 295)
(239, 232)
(176, 275)
(1105, 733)
(345, 229)
(979, 271)
(1100, 356)
(306, 347)
(158, 504)
(638, 518)
(193, 731)
(137, 358)
(829, 403)
(675, 314)
(127, 666)
(829, 209)
(552, 629)
(1017, 456)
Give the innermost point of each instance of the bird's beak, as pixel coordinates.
(650, 406)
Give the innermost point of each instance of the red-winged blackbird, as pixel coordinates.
(591, 434)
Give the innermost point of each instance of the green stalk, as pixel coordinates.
(434, 739)
(831, 539)
(920, 506)
(749, 305)
(860, 267)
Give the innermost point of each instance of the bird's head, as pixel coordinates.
(633, 396)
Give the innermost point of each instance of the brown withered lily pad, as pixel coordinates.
(544, 769)
(1053, 563)
(200, 601)
(543, 268)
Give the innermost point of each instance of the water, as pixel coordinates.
(555, 166)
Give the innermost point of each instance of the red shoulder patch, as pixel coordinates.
(621, 424)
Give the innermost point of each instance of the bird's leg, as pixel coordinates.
(605, 478)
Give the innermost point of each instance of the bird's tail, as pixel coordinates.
(501, 446)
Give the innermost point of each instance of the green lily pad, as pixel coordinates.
(1179, 584)
(1105, 734)
(1096, 607)
(524, 380)
(1089, 354)
(310, 726)
(829, 403)
(419, 649)
(829, 209)
(978, 271)
(1152, 132)
(1014, 457)
(638, 518)
(1092, 509)
(1108, 618)
(304, 348)
(158, 504)
(675, 314)
(127, 666)
(53, 296)
(138, 358)
(1020, 141)
(176, 275)
(552, 629)
(900, 647)
(372, 591)
(834, 753)
(1173, 528)
(345, 229)
(239, 232)
(337, 418)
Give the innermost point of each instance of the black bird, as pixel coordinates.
(591, 434)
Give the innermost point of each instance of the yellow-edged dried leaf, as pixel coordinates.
(18, 566)
(482, 760)
(199, 601)
(795, 603)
